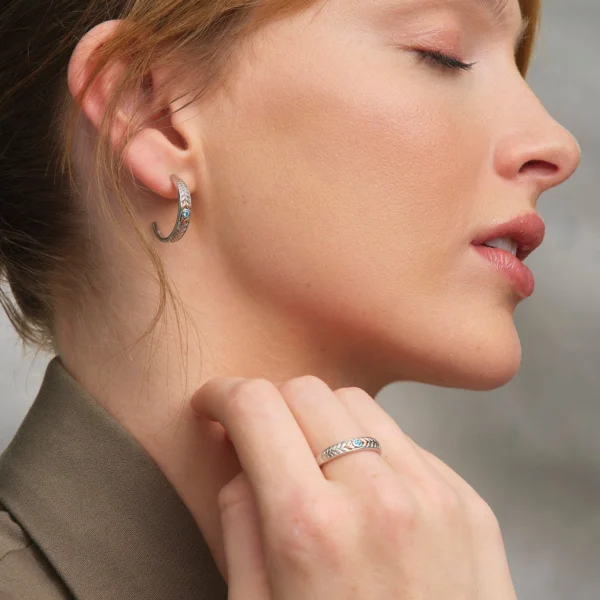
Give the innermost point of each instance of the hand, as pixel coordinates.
(399, 525)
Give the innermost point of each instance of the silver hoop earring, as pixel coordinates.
(184, 213)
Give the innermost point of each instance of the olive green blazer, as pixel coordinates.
(86, 513)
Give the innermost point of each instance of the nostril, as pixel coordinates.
(541, 167)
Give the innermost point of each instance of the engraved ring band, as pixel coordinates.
(356, 444)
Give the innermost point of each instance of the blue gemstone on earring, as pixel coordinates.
(185, 213)
(357, 443)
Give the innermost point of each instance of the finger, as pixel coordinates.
(451, 476)
(269, 443)
(398, 450)
(325, 421)
(246, 573)
(490, 552)
(406, 456)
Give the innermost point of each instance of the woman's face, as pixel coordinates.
(346, 175)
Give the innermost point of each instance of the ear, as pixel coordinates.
(154, 153)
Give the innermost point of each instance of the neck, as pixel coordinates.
(147, 386)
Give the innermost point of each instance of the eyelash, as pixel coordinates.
(443, 60)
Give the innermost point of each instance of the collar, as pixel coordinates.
(97, 505)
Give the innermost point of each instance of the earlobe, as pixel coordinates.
(152, 155)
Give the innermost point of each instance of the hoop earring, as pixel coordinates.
(184, 213)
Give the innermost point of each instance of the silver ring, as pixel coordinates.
(350, 445)
(184, 213)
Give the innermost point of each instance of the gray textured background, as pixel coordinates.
(532, 448)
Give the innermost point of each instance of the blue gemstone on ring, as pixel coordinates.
(357, 443)
(185, 213)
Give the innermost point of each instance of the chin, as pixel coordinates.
(474, 354)
(486, 365)
(478, 358)
(490, 377)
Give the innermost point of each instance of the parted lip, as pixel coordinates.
(528, 230)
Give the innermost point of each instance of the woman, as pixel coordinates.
(284, 206)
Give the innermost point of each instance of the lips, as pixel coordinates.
(527, 233)
(526, 230)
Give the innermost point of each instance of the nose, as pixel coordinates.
(535, 148)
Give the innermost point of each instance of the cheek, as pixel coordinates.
(337, 177)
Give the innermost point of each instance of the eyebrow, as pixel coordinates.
(498, 10)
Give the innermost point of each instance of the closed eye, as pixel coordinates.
(438, 59)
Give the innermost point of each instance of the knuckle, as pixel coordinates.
(441, 499)
(429, 455)
(314, 528)
(391, 518)
(352, 391)
(304, 382)
(394, 505)
(234, 493)
(448, 501)
(241, 394)
(483, 516)
(251, 387)
(353, 395)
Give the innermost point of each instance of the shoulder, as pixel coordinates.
(25, 573)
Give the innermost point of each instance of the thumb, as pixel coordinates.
(246, 574)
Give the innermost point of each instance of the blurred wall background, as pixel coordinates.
(532, 448)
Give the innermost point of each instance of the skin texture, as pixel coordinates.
(338, 181)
